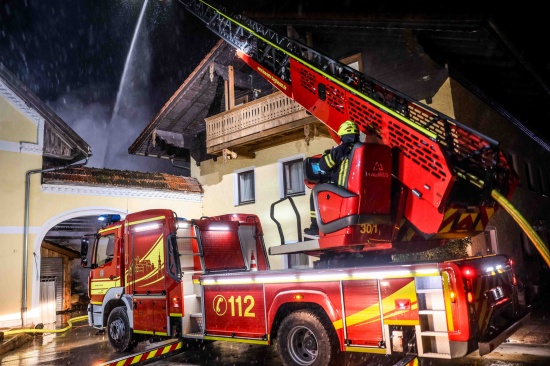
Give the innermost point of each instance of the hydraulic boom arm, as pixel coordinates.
(446, 167)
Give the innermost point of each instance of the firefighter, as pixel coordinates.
(335, 161)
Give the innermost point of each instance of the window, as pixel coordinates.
(245, 186)
(174, 265)
(291, 177)
(105, 249)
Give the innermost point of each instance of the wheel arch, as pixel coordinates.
(318, 302)
(113, 299)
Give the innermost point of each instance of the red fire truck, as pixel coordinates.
(157, 275)
(430, 179)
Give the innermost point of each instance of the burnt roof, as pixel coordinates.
(181, 119)
(56, 130)
(109, 178)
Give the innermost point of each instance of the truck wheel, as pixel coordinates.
(120, 334)
(304, 339)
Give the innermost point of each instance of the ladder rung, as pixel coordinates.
(432, 333)
(429, 290)
(430, 311)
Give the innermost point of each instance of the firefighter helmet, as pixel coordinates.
(348, 127)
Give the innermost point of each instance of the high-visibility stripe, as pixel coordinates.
(446, 291)
(238, 340)
(146, 356)
(100, 286)
(150, 332)
(379, 351)
(146, 220)
(329, 161)
(343, 172)
(108, 229)
(402, 322)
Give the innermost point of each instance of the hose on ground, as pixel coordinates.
(38, 330)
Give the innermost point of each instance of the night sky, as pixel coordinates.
(72, 55)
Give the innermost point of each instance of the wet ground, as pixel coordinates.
(83, 345)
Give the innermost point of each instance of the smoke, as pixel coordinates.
(109, 137)
(72, 55)
(111, 128)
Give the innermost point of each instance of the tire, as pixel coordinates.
(306, 339)
(120, 334)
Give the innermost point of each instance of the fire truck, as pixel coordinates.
(156, 275)
(428, 179)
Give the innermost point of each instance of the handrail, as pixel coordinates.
(298, 223)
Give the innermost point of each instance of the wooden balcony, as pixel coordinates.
(265, 122)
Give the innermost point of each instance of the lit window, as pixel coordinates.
(293, 178)
(245, 187)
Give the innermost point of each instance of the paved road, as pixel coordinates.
(83, 345)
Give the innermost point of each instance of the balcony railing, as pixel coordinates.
(257, 124)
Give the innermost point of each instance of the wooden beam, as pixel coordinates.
(231, 87)
(240, 79)
(72, 254)
(226, 93)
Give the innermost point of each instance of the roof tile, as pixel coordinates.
(122, 178)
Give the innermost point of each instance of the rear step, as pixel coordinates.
(196, 326)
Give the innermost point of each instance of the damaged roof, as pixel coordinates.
(178, 130)
(109, 178)
(61, 142)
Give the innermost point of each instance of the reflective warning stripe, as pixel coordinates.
(149, 355)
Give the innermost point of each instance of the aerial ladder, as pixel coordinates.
(448, 179)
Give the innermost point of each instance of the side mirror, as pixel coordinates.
(84, 244)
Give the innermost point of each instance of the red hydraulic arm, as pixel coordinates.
(447, 170)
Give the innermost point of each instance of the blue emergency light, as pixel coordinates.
(109, 219)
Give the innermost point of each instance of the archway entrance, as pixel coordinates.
(62, 283)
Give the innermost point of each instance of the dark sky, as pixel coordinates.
(72, 55)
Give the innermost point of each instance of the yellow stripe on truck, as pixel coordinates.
(100, 286)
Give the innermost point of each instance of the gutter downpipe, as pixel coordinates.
(26, 231)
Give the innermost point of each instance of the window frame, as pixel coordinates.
(354, 61)
(236, 186)
(281, 168)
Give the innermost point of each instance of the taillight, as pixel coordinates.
(469, 294)
(468, 272)
(176, 302)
